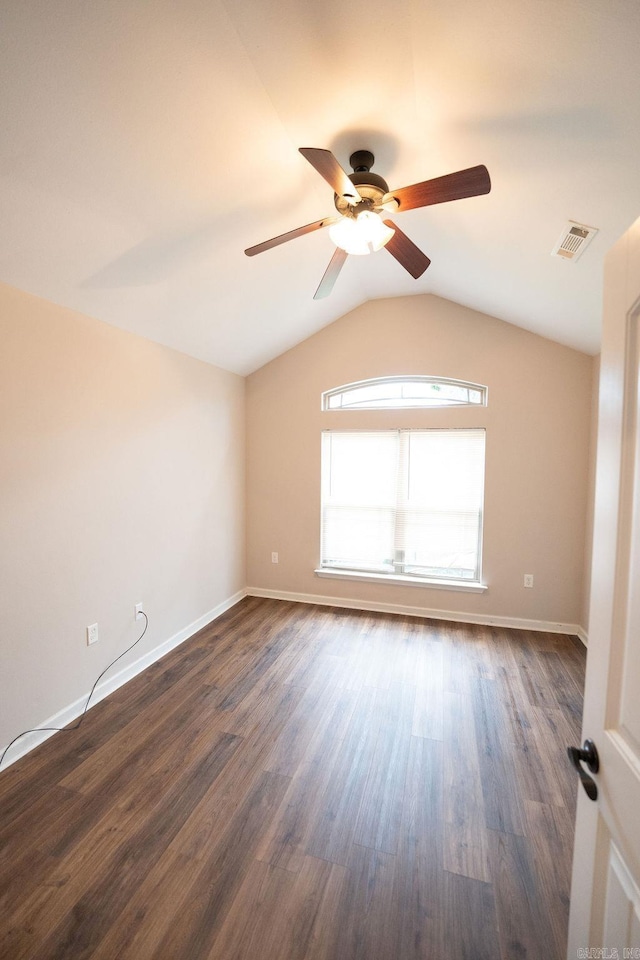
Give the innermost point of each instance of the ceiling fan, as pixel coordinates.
(362, 200)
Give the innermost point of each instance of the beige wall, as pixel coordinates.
(591, 483)
(121, 480)
(537, 466)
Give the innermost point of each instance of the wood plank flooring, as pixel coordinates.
(305, 783)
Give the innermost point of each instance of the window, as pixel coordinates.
(393, 392)
(403, 503)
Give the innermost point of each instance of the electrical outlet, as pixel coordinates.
(528, 579)
(139, 611)
(92, 634)
(274, 557)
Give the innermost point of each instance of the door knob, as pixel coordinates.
(589, 755)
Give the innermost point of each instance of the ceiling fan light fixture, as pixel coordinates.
(361, 235)
(363, 201)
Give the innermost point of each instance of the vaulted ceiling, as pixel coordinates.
(145, 143)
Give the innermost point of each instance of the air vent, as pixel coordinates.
(574, 240)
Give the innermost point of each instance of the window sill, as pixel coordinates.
(465, 585)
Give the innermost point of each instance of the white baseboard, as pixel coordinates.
(516, 623)
(69, 713)
(583, 635)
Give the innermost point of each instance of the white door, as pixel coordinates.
(605, 892)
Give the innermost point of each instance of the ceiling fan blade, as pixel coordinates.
(453, 186)
(406, 253)
(331, 274)
(329, 168)
(291, 235)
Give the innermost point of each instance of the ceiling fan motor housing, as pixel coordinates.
(371, 186)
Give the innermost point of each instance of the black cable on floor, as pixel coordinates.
(86, 706)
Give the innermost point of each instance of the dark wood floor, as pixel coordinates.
(305, 783)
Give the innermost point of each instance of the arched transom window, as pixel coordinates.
(390, 393)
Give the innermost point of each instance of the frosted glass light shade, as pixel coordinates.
(363, 235)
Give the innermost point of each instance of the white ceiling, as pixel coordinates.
(146, 143)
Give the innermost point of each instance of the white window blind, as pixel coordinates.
(404, 502)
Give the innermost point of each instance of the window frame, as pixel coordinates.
(399, 575)
(426, 379)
